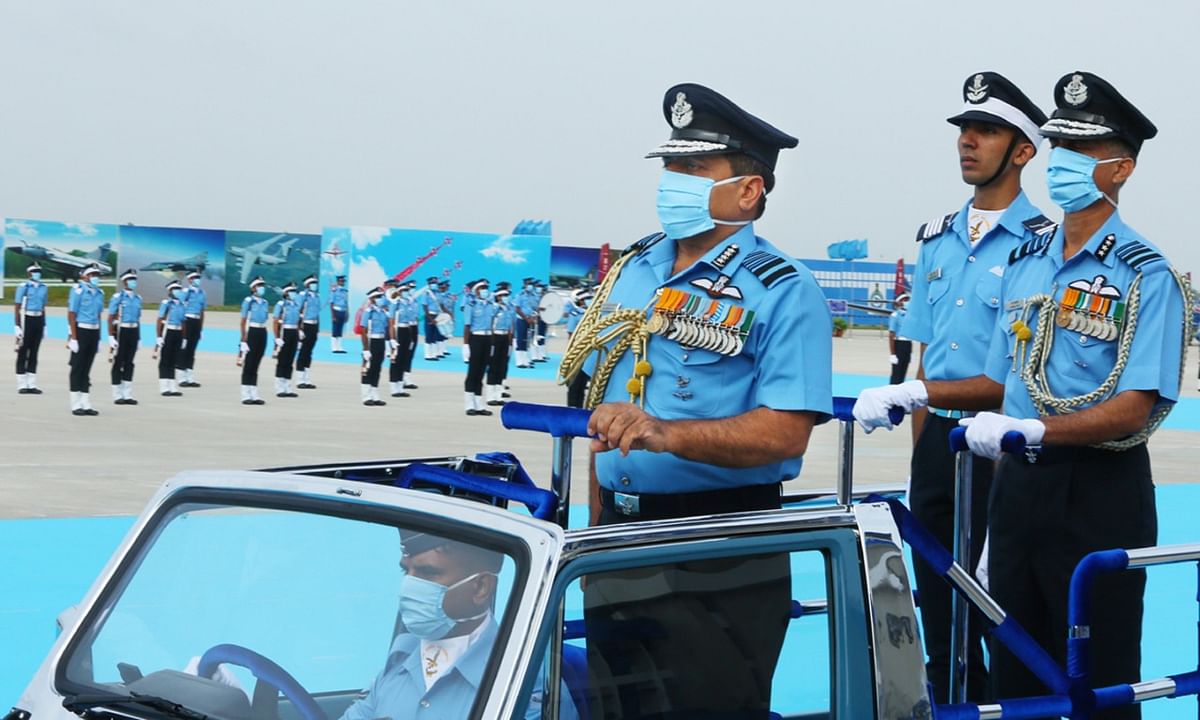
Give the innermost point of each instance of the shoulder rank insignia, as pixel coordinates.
(1137, 255)
(935, 227)
(1035, 246)
(644, 244)
(1091, 307)
(1040, 225)
(1106, 246)
(768, 268)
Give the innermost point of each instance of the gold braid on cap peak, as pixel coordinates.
(1033, 366)
(627, 327)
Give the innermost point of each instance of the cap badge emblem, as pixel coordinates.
(977, 91)
(681, 111)
(1075, 92)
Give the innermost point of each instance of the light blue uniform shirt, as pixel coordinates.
(956, 290)
(125, 307)
(375, 320)
(310, 307)
(505, 319)
(34, 294)
(574, 315)
(399, 691)
(194, 300)
(172, 311)
(785, 364)
(895, 320)
(429, 300)
(87, 303)
(288, 311)
(405, 310)
(527, 301)
(255, 309)
(339, 298)
(1078, 362)
(478, 314)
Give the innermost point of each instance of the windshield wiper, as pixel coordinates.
(81, 704)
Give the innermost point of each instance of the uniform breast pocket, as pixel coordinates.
(1090, 360)
(987, 290)
(691, 385)
(937, 290)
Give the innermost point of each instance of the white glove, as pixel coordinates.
(871, 408)
(366, 355)
(18, 331)
(395, 344)
(183, 344)
(278, 343)
(112, 342)
(895, 360)
(73, 345)
(244, 348)
(159, 342)
(301, 334)
(985, 430)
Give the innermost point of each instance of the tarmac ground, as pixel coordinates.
(53, 464)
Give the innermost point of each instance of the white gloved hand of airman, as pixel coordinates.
(986, 430)
(871, 408)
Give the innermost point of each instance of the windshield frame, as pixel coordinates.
(500, 530)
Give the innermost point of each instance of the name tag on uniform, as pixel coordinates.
(934, 275)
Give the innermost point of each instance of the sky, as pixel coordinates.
(469, 116)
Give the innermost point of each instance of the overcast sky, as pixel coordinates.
(295, 114)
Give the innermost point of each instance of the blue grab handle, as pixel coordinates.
(843, 409)
(542, 504)
(554, 420)
(1013, 442)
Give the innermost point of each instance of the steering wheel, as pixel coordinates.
(264, 670)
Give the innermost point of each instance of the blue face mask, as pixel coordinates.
(421, 607)
(131, 284)
(35, 275)
(1070, 178)
(484, 294)
(259, 290)
(176, 293)
(683, 204)
(380, 301)
(94, 281)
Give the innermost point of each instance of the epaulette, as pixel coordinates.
(935, 227)
(1137, 255)
(644, 244)
(1038, 244)
(767, 267)
(1040, 225)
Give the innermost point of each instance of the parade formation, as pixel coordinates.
(705, 358)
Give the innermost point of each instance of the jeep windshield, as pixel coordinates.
(274, 606)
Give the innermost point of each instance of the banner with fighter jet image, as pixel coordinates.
(162, 254)
(369, 256)
(278, 257)
(61, 249)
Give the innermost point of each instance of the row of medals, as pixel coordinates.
(1103, 326)
(693, 332)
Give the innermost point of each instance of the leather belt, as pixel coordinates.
(87, 326)
(667, 505)
(1054, 454)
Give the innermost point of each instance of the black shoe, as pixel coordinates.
(258, 401)
(172, 393)
(23, 391)
(119, 401)
(189, 384)
(290, 394)
(378, 403)
(483, 412)
(247, 402)
(505, 395)
(280, 394)
(307, 386)
(91, 411)
(400, 394)
(34, 391)
(130, 401)
(409, 386)
(495, 403)
(472, 412)
(79, 412)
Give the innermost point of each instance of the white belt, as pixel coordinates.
(257, 325)
(174, 327)
(341, 309)
(312, 322)
(407, 324)
(376, 336)
(481, 332)
(193, 317)
(130, 325)
(290, 327)
(87, 326)
(33, 313)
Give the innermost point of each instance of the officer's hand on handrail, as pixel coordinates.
(874, 404)
(554, 420)
(843, 410)
(989, 434)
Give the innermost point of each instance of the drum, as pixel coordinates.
(551, 308)
(445, 324)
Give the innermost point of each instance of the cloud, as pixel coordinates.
(82, 229)
(502, 249)
(365, 237)
(365, 273)
(21, 228)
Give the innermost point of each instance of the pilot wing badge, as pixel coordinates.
(718, 288)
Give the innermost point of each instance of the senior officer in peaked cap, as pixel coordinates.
(709, 415)
(1086, 356)
(954, 304)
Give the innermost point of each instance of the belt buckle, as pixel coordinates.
(626, 504)
(1031, 453)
